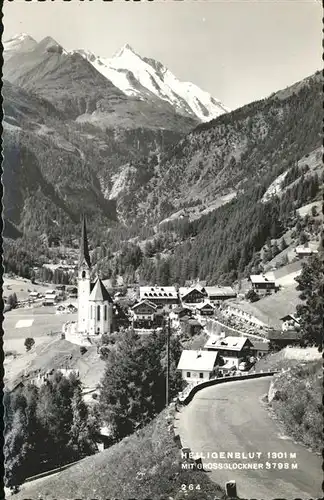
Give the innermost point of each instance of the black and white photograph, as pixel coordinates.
(162, 249)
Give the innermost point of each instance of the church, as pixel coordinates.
(95, 306)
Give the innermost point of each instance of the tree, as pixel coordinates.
(310, 313)
(29, 343)
(12, 300)
(252, 296)
(82, 435)
(303, 238)
(15, 451)
(283, 244)
(133, 386)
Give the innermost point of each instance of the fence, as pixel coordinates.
(187, 395)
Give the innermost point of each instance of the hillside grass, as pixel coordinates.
(145, 465)
(288, 357)
(55, 354)
(298, 402)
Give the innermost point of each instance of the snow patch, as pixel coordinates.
(141, 78)
(274, 188)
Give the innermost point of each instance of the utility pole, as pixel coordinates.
(168, 361)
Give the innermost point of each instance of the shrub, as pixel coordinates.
(12, 300)
(252, 296)
(83, 350)
(29, 342)
(299, 404)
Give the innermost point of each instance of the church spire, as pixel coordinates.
(84, 248)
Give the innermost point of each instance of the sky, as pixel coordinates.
(239, 51)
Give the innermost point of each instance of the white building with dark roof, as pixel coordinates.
(261, 282)
(197, 365)
(233, 350)
(220, 293)
(192, 295)
(289, 322)
(305, 251)
(95, 306)
(159, 295)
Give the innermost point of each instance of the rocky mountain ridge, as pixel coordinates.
(147, 78)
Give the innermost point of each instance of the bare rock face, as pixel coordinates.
(55, 48)
(273, 393)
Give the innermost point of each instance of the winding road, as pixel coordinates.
(231, 418)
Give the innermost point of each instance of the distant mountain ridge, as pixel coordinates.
(137, 77)
(144, 77)
(74, 142)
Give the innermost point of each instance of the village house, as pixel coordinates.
(232, 350)
(259, 348)
(212, 340)
(60, 289)
(73, 292)
(190, 326)
(159, 295)
(261, 283)
(177, 313)
(50, 298)
(144, 314)
(280, 339)
(216, 293)
(197, 365)
(289, 322)
(192, 296)
(205, 309)
(240, 313)
(302, 252)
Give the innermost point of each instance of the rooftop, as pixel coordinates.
(229, 343)
(155, 292)
(286, 335)
(287, 317)
(224, 291)
(260, 278)
(305, 250)
(184, 290)
(146, 302)
(99, 292)
(260, 346)
(197, 360)
(202, 305)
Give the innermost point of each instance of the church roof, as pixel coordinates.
(99, 292)
(84, 248)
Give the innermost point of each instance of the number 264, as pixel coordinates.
(190, 487)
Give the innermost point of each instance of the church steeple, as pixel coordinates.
(84, 248)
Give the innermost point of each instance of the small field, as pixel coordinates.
(145, 465)
(56, 353)
(289, 356)
(39, 323)
(273, 307)
(22, 287)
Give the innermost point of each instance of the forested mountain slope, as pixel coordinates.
(247, 145)
(139, 176)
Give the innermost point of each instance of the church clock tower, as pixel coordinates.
(84, 281)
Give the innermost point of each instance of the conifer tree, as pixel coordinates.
(16, 451)
(310, 312)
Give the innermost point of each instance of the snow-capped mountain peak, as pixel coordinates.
(125, 49)
(18, 43)
(146, 78)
